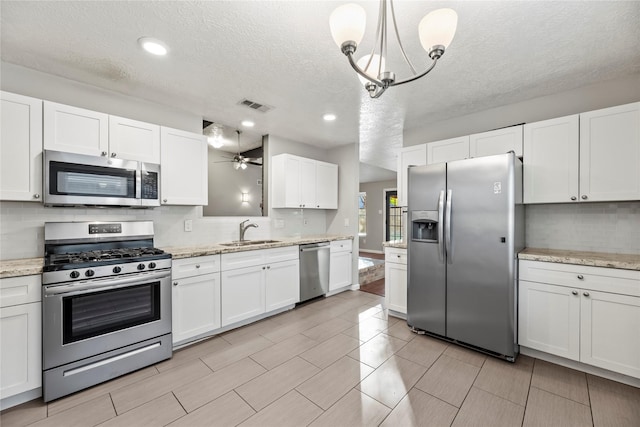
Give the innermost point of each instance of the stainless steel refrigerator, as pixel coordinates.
(466, 227)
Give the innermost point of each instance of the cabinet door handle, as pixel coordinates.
(104, 153)
(113, 154)
(175, 283)
(574, 292)
(197, 265)
(586, 294)
(268, 267)
(574, 198)
(36, 196)
(584, 197)
(580, 276)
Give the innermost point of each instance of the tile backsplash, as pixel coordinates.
(595, 227)
(22, 225)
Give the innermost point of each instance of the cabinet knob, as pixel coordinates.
(197, 265)
(104, 153)
(580, 276)
(263, 267)
(398, 256)
(113, 154)
(586, 294)
(36, 196)
(164, 200)
(584, 197)
(574, 198)
(175, 283)
(574, 292)
(268, 267)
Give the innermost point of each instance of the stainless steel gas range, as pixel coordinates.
(106, 307)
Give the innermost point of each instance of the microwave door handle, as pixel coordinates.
(448, 244)
(139, 183)
(441, 226)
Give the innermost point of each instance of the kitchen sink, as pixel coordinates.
(249, 242)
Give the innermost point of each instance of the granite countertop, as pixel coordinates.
(594, 259)
(398, 244)
(29, 266)
(179, 252)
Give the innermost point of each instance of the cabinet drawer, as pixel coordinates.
(341, 246)
(280, 254)
(625, 282)
(395, 255)
(20, 290)
(195, 266)
(242, 259)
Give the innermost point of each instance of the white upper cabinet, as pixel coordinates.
(134, 140)
(610, 154)
(591, 157)
(326, 185)
(448, 150)
(20, 148)
(298, 182)
(183, 168)
(416, 155)
(498, 141)
(75, 130)
(550, 169)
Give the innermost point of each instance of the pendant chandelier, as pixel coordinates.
(347, 23)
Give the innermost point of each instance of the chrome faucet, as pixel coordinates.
(243, 228)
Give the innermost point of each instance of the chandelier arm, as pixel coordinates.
(362, 73)
(383, 39)
(416, 77)
(378, 32)
(395, 27)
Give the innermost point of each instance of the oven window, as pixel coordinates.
(86, 180)
(90, 315)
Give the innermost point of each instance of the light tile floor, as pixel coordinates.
(339, 361)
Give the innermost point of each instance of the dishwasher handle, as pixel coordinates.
(313, 247)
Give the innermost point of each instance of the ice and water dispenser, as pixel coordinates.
(424, 226)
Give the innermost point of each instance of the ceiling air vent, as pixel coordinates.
(255, 105)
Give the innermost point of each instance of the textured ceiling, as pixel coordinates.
(281, 53)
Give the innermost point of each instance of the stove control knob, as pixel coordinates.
(74, 275)
(152, 265)
(117, 269)
(89, 273)
(140, 266)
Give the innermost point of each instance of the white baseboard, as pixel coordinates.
(21, 398)
(578, 366)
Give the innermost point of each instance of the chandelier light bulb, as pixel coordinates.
(347, 23)
(243, 165)
(438, 28)
(372, 71)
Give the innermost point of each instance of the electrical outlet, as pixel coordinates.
(188, 225)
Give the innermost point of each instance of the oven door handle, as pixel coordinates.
(103, 284)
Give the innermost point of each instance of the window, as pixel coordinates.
(362, 214)
(393, 217)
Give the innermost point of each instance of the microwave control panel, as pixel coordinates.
(149, 185)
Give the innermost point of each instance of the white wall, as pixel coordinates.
(601, 227)
(344, 220)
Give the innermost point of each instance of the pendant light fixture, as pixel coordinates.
(347, 23)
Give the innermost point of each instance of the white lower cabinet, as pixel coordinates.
(195, 297)
(258, 282)
(21, 334)
(340, 264)
(395, 279)
(588, 314)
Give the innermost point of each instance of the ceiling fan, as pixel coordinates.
(240, 161)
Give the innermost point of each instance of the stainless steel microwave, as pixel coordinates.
(76, 179)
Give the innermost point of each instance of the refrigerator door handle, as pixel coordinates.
(441, 226)
(447, 224)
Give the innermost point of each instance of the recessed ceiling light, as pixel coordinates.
(247, 123)
(329, 117)
(153, 46)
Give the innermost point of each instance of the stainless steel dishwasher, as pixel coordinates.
(314, 270)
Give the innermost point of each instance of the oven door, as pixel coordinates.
(76, 179)
(88, 318)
